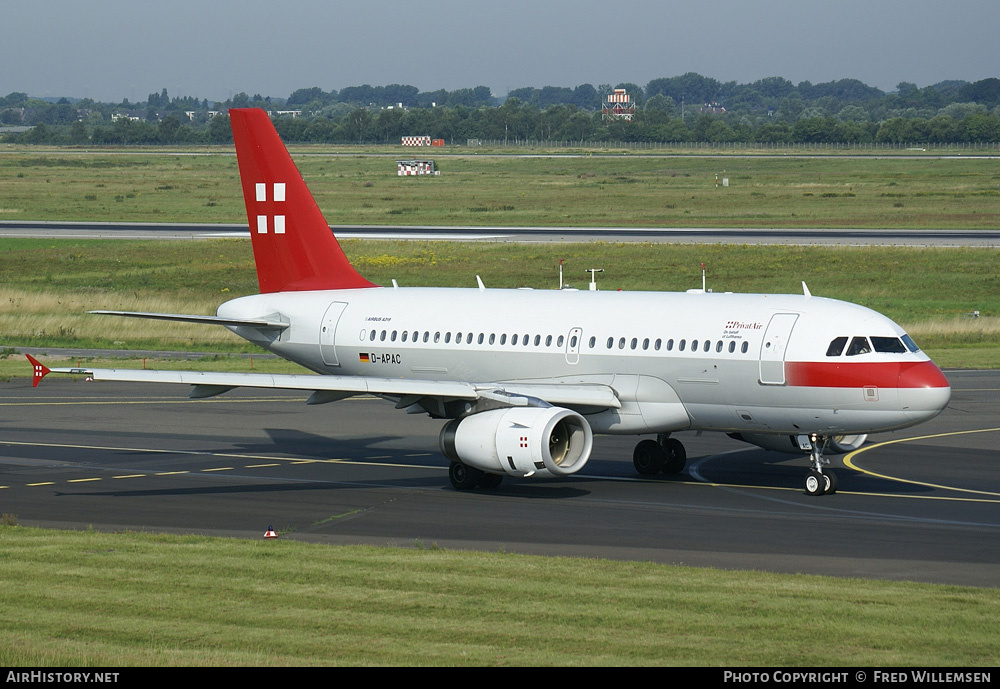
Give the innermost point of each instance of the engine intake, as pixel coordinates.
(520, 441)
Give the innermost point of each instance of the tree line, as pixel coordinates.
(687, 108)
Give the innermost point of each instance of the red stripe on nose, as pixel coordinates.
(886, 374)
(924, 374)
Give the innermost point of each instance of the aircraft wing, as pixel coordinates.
(332, 388)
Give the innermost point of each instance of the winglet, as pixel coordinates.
(41, 370)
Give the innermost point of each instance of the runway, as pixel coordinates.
(689, 235)
(114, 456)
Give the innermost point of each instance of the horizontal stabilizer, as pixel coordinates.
(267, 323)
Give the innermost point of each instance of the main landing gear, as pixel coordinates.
(665, 454)
(818, 481)
(464, 477)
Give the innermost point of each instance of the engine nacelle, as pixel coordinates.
(842, 444)
(800, 444)
(520, 441)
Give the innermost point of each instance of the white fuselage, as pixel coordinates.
(739, 363)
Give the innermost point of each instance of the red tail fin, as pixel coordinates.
(292, 245)
(40, 370)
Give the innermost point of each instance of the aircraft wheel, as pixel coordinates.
(464, 477)
(676, 456)
(648, 457)
(490, 481)
(815, 483)
(829, 482)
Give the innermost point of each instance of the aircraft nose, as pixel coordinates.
(924, 391)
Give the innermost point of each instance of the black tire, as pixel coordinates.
(464, 477)
(675, 456)
(815, 483)
(830, 482)
(490, 481)
(648, 457)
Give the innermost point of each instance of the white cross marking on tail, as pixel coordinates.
(260, 192)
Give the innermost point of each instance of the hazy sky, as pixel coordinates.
(114, 49)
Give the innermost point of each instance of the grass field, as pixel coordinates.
(49, 285)
(595, 190)
(92, 599)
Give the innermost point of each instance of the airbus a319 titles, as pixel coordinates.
(524, 378)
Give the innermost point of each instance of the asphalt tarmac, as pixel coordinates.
(76, 454)
(680, 235)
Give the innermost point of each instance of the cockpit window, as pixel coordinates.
(888, 345)
(859, 345)
(910, 344)
(836, 347)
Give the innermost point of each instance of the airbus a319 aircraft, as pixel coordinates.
(524, 378)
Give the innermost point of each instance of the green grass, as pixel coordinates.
(48, 285)
(129, 599)
(602, 190)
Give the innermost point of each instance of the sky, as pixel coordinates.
(212, 49)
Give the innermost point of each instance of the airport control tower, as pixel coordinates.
(618, 106)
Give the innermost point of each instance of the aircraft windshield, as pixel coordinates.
(910, 344)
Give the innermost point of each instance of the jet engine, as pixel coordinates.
(800, 444)
(520, 441)
(842, 444)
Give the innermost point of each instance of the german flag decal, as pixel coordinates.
(363, 358)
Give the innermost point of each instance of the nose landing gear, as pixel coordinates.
(818, 481)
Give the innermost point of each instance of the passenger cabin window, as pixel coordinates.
(859, 345)
(836, 347)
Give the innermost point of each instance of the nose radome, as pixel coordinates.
(924, 392)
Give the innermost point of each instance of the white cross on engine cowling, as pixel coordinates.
(279, 195)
